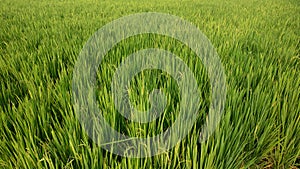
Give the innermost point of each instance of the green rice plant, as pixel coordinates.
(258, 44)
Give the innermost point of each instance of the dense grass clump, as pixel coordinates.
(258, 43)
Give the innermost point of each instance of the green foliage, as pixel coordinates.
(258, 44)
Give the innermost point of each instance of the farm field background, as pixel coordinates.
(258, 43)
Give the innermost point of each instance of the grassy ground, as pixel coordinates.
(257, 41)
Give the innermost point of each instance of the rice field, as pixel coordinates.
(258, 43)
